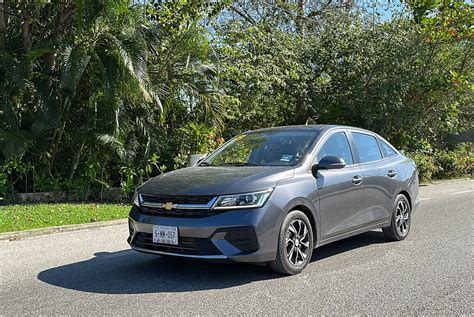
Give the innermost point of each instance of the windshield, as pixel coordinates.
(270, 148)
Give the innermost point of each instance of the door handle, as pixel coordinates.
(391, 174)
(357, 180)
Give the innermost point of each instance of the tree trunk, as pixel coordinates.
(301, 114)
(300, 17)
(66, 11)
(55, 150)
(300, 108)
(3, 24)
(26, 34)
(76, 162)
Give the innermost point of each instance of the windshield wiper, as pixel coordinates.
(239, 164)
(204, 164)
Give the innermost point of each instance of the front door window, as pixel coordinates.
(336, 145)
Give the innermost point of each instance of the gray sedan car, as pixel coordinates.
(274, 195)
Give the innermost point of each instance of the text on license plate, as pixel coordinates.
(166, 235)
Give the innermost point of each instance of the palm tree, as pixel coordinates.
(100, 63)
(94, 81)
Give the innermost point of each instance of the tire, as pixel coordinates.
(401, 220)
(299, 244)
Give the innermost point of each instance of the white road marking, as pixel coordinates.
(427, 198)
(463, 192)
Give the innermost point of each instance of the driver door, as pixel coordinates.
(340, 191)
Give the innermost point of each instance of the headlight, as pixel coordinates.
(247, 200)
(136, 199)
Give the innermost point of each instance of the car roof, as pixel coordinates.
(311, 127)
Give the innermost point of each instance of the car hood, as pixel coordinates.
(216, 180)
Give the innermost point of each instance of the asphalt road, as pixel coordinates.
(94, 272)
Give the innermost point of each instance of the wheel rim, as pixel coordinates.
(297, 243)
(402, 217)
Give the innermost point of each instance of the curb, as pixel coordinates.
(443, 181)
(17, 235)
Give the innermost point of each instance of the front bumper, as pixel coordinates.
(246, 235)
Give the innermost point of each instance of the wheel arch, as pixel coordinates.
(306, 207)
(405, 193)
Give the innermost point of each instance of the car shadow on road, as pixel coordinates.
(131, 272)
(355, 242)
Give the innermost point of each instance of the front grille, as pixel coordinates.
(177, 199)
(188, 246)
(179, 212)
(178, 206)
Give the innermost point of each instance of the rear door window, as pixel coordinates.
(367, 147)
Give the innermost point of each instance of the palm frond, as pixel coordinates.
(14, 144)
(74, 62)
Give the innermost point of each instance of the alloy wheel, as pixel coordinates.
(402, 217)
(297, 243)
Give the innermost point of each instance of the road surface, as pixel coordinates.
(94, 272)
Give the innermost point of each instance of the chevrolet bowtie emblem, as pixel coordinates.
(169, 206)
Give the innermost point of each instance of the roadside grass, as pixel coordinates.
(35, 216)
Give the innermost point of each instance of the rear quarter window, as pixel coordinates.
(387, 149)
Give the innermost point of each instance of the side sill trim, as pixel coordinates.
(372, 226)
(205, 257)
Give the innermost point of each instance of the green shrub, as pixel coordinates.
(442, 164)
(454, 163)
(425, 165)
(49, 184)
(4, 186)
(200, 138)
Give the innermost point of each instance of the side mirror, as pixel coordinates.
(328, 163)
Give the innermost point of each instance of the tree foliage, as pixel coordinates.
(98, 93)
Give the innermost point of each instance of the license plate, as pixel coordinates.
(166, 235)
